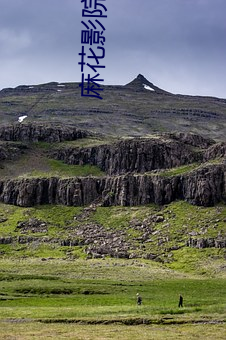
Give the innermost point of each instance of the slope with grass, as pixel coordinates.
(72, 267)
(129, 110)
(180, 235)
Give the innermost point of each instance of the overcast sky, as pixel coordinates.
(179, 45)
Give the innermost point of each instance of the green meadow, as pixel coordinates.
(46, 297)
(50, 291)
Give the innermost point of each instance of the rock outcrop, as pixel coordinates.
(11, 151)
(138, 85)
(133, 168)
(139, 155)
(215, 151)
(205, 186)
(191, 139)
(218, 242)
(37, 132)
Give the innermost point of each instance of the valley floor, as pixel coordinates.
(36, 331)
(96, 299)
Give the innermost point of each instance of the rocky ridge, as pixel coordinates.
(205, 186)
(38, 132)
(134, 170)
(139, 155)
(11, 150)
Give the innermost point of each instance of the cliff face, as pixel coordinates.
(202, 187)
(215, 151)
(131, 155)
(11, 151)
(191, 139)
(35, 133)
(125, 163)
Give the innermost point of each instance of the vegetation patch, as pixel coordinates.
(61, 169)
(180, 170)
(75, 295)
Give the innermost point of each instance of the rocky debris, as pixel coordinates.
(33, 225)
(128, 156)
(147, 227)
(71, 242)
(85, 214)
(6, 240)
(191, 139)
(215, 151)
(35, 133)
(11, 150)
(201, 243)
(39, 240)
(159, 218)
(203, 186)
(102, 241)
(131, 241)
(151, 256)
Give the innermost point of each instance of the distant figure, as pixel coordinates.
(139, 299)
(180, 301)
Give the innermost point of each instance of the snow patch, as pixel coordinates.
(148, 87)
(21, 118)
(31, 87)
(59, 90)
(61, 85)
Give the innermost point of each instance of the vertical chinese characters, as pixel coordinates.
(91, 56)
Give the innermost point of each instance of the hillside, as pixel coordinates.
(83, 193)
(137, 109)
(100, 200)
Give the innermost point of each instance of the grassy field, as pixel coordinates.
(36, 331)
(37, 163)
(52, 291)
(96, 299)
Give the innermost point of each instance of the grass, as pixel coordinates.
(113, 332)
(49, 290)
(55, 216)
(39, 165)
(168, 238)
(36, 331)
(180, 170)
(203, 261)
(119, 217)
(78, 143)
(59, 296)
(60, 169)
(36, 162)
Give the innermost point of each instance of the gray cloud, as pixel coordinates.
(177, 44)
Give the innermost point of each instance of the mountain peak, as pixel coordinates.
(141, 77)
(140, 83)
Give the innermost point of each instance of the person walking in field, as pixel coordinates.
(139, 299)
(180, 301)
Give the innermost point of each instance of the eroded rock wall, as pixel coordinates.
(205, 186)
(131, 156)
(34, 133)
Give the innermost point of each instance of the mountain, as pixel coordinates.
(140, 173)
(140, 83)
(138, 108)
